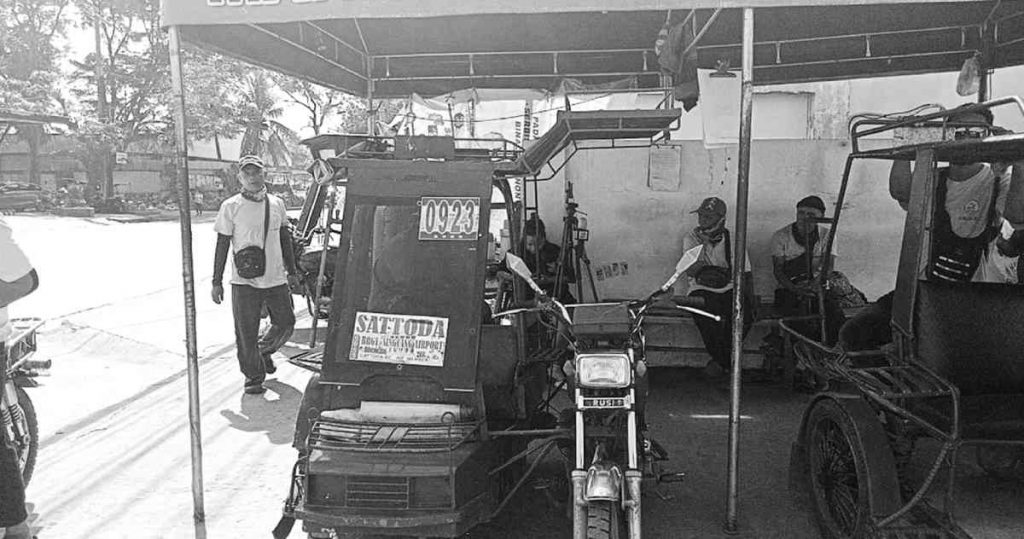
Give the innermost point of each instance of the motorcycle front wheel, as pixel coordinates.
(26, 430)
(604, 520)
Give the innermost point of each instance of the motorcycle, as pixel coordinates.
(611, 451)
(17, 414)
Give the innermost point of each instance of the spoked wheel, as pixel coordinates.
(26, 434)
(838, 472)
(1001, 461)
(604, 520)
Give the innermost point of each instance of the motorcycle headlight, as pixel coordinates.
(603, 370)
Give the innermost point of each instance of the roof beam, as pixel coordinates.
(336, 39)
(306, 49)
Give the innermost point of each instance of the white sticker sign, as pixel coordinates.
(449, 218)
(399, 339)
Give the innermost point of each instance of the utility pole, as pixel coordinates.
(106, 174)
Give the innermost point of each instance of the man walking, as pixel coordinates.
(253, 226)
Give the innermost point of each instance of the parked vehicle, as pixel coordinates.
(22, 196)
(16, 410)
(953, 374)
(414, 426)
(611, 451)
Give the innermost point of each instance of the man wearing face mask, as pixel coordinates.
(797, 251)
(711, 278)
(253, 226)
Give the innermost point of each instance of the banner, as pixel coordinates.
(399, 339)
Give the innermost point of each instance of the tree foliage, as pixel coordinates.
(136, 75)
(264, 134)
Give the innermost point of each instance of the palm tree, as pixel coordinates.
(263, 134)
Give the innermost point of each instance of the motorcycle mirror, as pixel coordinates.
(518, 266)
(684, 263)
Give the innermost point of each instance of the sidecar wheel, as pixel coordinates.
(838, 473)
(604, 520)
(27, 429)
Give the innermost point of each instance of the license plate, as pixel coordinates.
(449, 218)
(604, 402)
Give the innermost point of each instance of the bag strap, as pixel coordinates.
(266, 219)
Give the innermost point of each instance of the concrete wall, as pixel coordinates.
(631, 222)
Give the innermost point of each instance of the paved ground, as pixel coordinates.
(114, 459)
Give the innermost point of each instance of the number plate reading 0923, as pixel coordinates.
(604, 402)
(449, 218)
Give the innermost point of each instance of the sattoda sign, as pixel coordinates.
(400, 339)
(449, 218)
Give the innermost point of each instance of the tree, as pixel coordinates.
(264, 134)
(28, 73)
(128, 102)
(354, 114)
(319, 102)
(213, 102)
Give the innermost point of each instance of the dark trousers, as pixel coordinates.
(247, 302)
(717, 336)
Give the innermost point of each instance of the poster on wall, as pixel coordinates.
(399, 339)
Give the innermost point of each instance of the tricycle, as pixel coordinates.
(417, 423)
(952, 375)
(433, 402)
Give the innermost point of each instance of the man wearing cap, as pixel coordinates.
(797, 252)
(711, 278)
(255, 221)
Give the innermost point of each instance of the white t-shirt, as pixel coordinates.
(242, 219)
(968, 202)
(715, 256)
(786, 246)
(13, 266)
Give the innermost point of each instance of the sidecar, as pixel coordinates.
(952, 378)
(416, 425)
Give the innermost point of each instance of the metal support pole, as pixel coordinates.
(739, 258)
(985, 60)
(187, 273)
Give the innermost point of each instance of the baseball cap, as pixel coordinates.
(250, 159)
(713, 205)
(812, 202)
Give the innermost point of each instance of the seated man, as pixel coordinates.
(711, 278)
(543, 259)
(797, 250)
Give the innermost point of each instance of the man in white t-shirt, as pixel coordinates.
(711, 279)
(797, 253)
(250, 219)
(14, 268)
(975, 198)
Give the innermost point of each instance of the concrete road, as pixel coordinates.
(114, 459)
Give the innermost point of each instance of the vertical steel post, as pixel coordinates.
(739, 258)
(985, 60)
(187, 273)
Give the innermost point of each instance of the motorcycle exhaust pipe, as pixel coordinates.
(579, 505)
(632, 504)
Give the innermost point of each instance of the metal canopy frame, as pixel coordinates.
(601, 125)
(394, 56)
